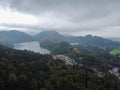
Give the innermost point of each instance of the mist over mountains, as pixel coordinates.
(45, 35)
(59, 44)
(15, 36)
(68, 54)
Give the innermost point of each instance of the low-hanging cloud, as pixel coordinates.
(70, 16)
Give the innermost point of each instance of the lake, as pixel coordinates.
(33, 46)
(74, 44)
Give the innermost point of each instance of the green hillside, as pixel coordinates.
(49, 35)
(25, 70)
(115, 52)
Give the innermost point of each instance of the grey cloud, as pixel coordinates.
(27, 27)
(38, 6)
(82, 15)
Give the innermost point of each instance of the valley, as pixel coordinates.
(42, 58)
(32, 46)
(59, 44)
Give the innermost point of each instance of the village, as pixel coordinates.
(69, 61)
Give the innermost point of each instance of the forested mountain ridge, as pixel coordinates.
(26, 70)
(89, 47)
(49, 35)
(51, 40)
(93, 51)
(96, 41)
(14, 36)
(53, 37)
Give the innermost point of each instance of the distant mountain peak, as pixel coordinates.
(50, 31)
(88, 36)
(14, 36)
(49, 35)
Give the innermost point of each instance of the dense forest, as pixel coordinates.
(59, 44)
(89, 54)
(57, 47)
(91, 51)
(26, 70)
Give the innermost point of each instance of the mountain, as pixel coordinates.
(96, 41)
(49, 35)
(23, 70)
(14, 36)
(26, 70)
(53, 41)
(115, 39)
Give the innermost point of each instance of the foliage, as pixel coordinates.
(25, 70)
(57, 47)
(62, 48)
(115, 52)
(101, 56)
(49, 35)
(94, 41)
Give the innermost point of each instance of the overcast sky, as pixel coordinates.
(75, 17)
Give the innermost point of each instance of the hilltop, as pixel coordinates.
(14, 36)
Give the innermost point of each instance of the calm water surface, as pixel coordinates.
(33, 46)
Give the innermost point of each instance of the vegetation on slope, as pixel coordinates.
(8, 38)
(115, 52)
(25, 70)
(93, 51)
(57, 48)
(49, 35)
(94, 41)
